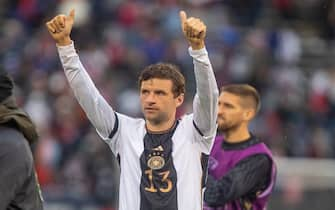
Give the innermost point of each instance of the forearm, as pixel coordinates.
(95, 106)
(205, 100)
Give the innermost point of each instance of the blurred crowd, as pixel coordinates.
(285, 48)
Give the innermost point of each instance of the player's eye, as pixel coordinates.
(145, 92)
(229, 106)
(160, 93)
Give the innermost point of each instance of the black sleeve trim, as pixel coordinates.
(196, 127)
(116, 126)
(204, 166)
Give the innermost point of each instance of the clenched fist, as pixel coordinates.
(194, 30)
(60, 28)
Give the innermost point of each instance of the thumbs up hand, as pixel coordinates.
(194, 30)
(60, 28)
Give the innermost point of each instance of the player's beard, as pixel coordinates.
(227, 126)
(157, 118)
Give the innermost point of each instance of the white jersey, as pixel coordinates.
(191, 137)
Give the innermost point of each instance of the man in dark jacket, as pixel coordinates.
(19, 188)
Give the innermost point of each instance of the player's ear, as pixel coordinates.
(179, 99)
(248, 114)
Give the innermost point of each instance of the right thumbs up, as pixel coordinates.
(60, 28)
(194, 30)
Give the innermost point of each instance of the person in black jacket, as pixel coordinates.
(19, 188)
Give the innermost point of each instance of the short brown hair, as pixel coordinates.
(164, 71)
(244, 90)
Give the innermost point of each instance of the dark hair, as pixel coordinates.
(164, 71)
(244, 90)
(6, 86)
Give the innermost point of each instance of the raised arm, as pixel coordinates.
(99, 112)
(205, 100)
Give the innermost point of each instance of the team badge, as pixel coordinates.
(156, 160)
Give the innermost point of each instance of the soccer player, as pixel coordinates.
(160, 156)
(19, 188)
(241, 169)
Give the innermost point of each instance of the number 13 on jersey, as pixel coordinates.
(165, 182)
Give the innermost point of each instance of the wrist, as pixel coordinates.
(198, 46)
(64, 42)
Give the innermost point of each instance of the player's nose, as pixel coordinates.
(150, 98)
(220, 110)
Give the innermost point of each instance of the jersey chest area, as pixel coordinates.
(177, 142)
(158, 159)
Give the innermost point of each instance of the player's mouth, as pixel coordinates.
(150, 109)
